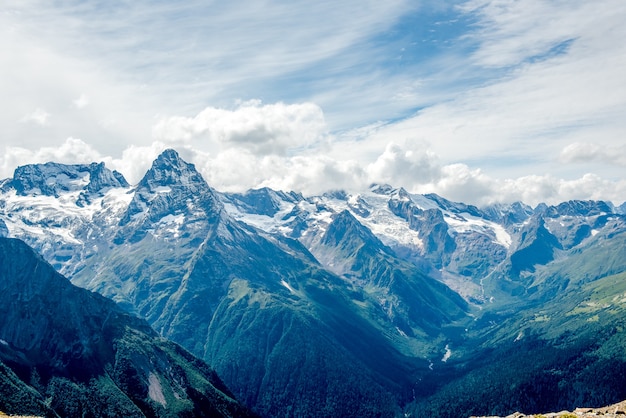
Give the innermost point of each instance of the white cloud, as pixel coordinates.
(397, 165)
(511, 32)
(460, 183)
(38, 116)
(540, 99)
(237, 170)
(71, 151)
(591, 152)
(418, 170)
(262, 129)
(524, 105)
(135, 160)
(318, 174)
(81, 101)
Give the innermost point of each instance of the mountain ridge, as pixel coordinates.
(427, 282)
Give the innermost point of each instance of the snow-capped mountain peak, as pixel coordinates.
(169, 169)
(53, 179)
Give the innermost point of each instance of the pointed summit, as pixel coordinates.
(537, 247)
(169, 155)
(170, 169)
(101, 177)
(171, 195)
(347, 233)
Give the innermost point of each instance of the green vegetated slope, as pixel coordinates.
(563, 347)
(287, 336)
(18, 397)
(65, 351)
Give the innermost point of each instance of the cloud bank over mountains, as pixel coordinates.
(479, 101)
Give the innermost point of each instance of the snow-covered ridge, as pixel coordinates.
(372, 210)
(72, 210)
(461, 244)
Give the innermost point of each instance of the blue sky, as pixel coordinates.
(479, 101)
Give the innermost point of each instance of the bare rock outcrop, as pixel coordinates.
(613, 411)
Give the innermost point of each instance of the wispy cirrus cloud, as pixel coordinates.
(201, 53)
(510, 33)
(518, 121)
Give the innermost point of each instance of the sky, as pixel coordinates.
(479, 101)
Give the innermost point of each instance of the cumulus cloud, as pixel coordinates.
(405, 166)
(38, 116)
(71, 151)
(460, 183)
(238, 169)
(584, 152)
(318, 174)
(261, 129)
(418, 169)
(135, 160)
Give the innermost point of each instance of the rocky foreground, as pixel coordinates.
(616, 410)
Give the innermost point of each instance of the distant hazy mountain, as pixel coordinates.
(65, 351)
(340, 304)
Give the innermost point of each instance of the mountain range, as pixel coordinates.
(379, 303)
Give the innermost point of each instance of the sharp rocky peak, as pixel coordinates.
(170, 187)
(171, 175)
(346, 226)
(385, 189)
(170, 169)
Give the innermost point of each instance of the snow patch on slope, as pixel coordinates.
(466, 223)
(447, 354)
(288, 286)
